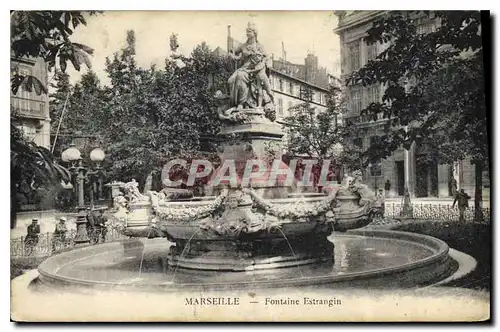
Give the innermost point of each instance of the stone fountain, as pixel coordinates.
(254, 234)
(255, 227)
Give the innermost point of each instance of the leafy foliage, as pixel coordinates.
(33, 172)
(319, 134)
(83, 115)
(434, 86)
(46, 34)
(147, 117)
(39, 35)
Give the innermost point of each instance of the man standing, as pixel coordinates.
(32, 236)
(96, 227)
(60, 233)
(463, 203)
(387, 187)
(380, 205)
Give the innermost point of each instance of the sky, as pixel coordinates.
(300, 31)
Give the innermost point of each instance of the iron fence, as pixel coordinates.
(443, 212)
(49, 243)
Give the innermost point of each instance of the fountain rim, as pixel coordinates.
(440, 252)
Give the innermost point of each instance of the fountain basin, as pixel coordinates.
(348, 216)
(375, 258)
(294, 244)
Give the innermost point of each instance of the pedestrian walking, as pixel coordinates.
(380, 205)
(387, 187)
(462, 198)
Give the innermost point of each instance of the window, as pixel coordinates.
(290, 87)
(486, 178)
(290, 105)
(336, 119)
(306, 93)
(358, 141)
(371, 52)
(281, 85)
(356, 101)
(353, 56)
(371, 95)
(280, 107)
(376, 169)
(425, 28)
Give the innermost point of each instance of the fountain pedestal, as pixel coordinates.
(240, 238)
(260, 251)
(257, 138)
(349, 213)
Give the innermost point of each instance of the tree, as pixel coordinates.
(47, 35)
(59, 104)
(31, 167)
(320, 134)
(33, 35)
(434, 87)
(312, 132)
(85, 103)
(153, 115)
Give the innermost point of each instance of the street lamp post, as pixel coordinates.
(73, 156)
(97, 156)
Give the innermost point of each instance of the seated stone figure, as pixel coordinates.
(367, 196)
(248, 81)
(131, 191)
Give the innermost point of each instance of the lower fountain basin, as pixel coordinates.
(192, 231)
(360, 259)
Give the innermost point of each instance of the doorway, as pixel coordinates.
(400, 177)
(422, 173)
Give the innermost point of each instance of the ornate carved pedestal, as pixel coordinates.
(260, 251)
(349, 214)
(242, 238)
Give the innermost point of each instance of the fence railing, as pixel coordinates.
(49, 243)
(443, 212)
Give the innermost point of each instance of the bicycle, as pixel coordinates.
(60, 242)
(30, 245)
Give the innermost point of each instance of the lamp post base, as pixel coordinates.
(82, 236)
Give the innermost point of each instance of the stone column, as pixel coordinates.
(410, 170)
(443, 180)
(115, 189)
(256, 134)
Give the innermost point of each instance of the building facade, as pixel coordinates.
(290, 91)
(404, 168)
(32, 110)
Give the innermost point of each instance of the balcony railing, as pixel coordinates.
(28, 107)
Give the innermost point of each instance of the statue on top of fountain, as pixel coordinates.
(249, 85)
